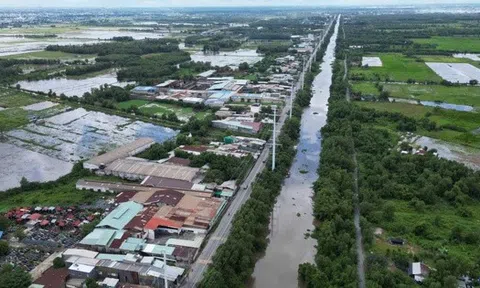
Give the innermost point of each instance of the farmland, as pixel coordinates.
(14, 98)
(440, 220)
(396, 67)
(462, 95)
(50, 55)
(457, 44)
(152, 108)
(463, 123)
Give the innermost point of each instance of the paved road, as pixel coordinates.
(220, 234)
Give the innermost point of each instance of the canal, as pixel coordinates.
(292, 217)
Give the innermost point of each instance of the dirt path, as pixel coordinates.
(356, 203)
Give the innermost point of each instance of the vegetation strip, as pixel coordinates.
(421, 208)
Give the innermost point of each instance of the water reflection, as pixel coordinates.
(292, 216)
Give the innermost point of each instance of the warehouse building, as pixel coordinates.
(134, 169)
(127, 150)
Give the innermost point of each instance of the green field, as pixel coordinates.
(12, 118)
(50, 55)
(152, 108)
(439, 220)
(460, 44)
(13, 98)
(462, 95)
(396, 67)
(465, 120)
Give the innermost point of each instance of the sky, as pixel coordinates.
(200, 3)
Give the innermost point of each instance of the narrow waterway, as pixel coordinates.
(292, 216)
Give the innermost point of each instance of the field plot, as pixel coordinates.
(13, 98)
(462, 95)
(154, 108)
(465, 123)
(227, 58)
(469, 157)
(17, 162)
(40, 106)
(396, 67)
(71, 87)
(81, 134)
(372, 61)
(50, 55)
(439, 220)
(455, 72)
(460, 44)
(474, 57)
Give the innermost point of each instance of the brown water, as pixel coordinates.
(292, 216)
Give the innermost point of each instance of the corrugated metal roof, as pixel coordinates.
(112, 257)
(101, 237)
(154, 249)
(120, 152)
(132, 244)
(120, 216)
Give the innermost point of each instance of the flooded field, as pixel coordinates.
(105, 34)
(468, 157)
(71, 87)
(16, 162)
(474, 57)
(10, 45)
(292, 218)
(81, 134)
(448, 106)
(40, 106)
(13, 45)
(226, 58)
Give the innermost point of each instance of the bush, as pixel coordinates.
(58, 263)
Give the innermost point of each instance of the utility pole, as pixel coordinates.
(274, 107)
(291, 100)
(165, 269)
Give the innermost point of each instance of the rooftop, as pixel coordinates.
(120, 216)
(120, 152)
(53, 278)
(143, 168)
(101, 237)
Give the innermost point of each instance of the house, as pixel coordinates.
(418, 271)
(52, 278)
(143, 91)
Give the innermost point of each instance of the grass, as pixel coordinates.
(12, 118)
(162, 108)
(466, 120)
(50, 55)
(60, 195)
(440, 218)
(396, 67)
(14, 98)
(461, 44)
(462, 95)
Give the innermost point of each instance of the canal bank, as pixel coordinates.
(292, 218)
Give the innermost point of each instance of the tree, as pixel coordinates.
(58, 263)
(88, 228)
(473, 82)
(91, 283)
(4, 248)
(4, 223)
(243, 66)
(14, 277)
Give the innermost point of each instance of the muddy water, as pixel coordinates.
(292, 215)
